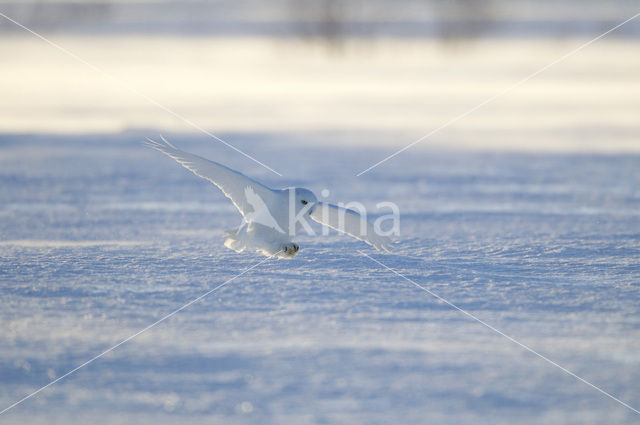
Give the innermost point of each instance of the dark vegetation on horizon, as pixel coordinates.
(327, 21)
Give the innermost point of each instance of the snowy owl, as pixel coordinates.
(272, 217)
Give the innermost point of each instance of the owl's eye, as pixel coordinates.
(304, 202)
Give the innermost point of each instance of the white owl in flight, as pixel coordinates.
(272, 217)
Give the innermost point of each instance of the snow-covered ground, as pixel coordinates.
(588, 102)
(100, 237)
(526, 213)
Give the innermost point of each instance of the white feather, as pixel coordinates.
(266, 226)
(231, 182)
(351, 223)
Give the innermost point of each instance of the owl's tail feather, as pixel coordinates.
(236, 239)
(248, 237)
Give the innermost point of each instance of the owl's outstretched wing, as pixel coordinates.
(261, 213)
(351, 223)
(231, 182)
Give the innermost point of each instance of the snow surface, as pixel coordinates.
(100, 237)
(589, 102)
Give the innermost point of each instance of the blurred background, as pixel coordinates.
(525, 213)
(391, 71)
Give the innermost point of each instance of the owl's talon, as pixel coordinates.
(290, 250)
